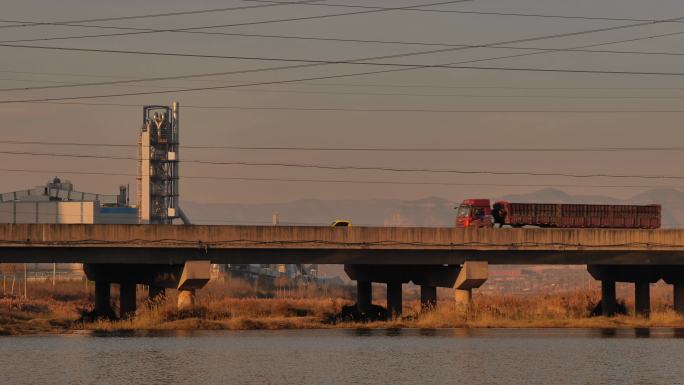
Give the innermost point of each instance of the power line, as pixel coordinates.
(382, 244)
(319, 62)
(144, 31)
(540, 50)
(435, 51)
(213, 56)
(375, 110)
(22, 24)
(295, 91)
(487, 96)
(406, 94)
(372, 72)
(391, 42)
(357, 168)
(353, 85)
(366, 59)
(310, 63)
(235, 57)
(493, 87)
(546, 37)
(539, 15)
(404, 67)
(360, 149)
(461, 46)
(338, 181)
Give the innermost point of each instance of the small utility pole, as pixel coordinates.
(25, 282)
(54, 274)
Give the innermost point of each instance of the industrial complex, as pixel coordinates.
(158, 202)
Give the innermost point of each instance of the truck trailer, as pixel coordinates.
(479, 213)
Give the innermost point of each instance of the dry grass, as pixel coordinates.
(48, 309)
(236, 305)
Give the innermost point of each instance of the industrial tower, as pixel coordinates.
(158, 147)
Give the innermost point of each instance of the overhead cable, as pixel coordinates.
(333, 181)
(358, 168)
(366, 73)
(360, 149)
(145, 31)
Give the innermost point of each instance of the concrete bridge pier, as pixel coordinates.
(394, 299)
(186, 298)
(463, 296)
(674, 275)
(608, 298)
(364, 296)
(641, 276)
(127, 299)
(194, 276)
(429, 277)
(678, 291)
(186, 278)
(472, 275)
(642, 298)
(103, 297)
(428, 297)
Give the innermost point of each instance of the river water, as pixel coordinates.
(461, 356)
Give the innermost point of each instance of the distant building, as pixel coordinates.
(58, 202)
(292, 272)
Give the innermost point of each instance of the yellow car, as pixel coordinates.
(341, 223)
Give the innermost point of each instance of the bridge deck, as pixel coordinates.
(305, 244)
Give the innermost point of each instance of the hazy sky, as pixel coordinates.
(425, 89)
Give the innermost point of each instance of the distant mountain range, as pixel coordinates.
(431, 211)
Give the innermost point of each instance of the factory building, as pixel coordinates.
(58, 202)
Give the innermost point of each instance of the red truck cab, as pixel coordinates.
(474, 213)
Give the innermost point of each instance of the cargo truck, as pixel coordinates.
(479, 213)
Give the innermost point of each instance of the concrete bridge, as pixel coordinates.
(167, 256)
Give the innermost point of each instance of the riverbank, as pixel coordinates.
(221, 306)
(446, 317)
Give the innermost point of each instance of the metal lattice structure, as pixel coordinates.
(158, 165)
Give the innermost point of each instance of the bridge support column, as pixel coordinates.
(642, 299)
(364, 296)
(394, 301)
(127, 303)
(679, 297)
(428, 297)
(102, 299)
(186, 298)
(195, 275)
(156, 293)
(472, 275)
(463, 296)
(608, 299)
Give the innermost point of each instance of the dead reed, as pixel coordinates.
(238, 305)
